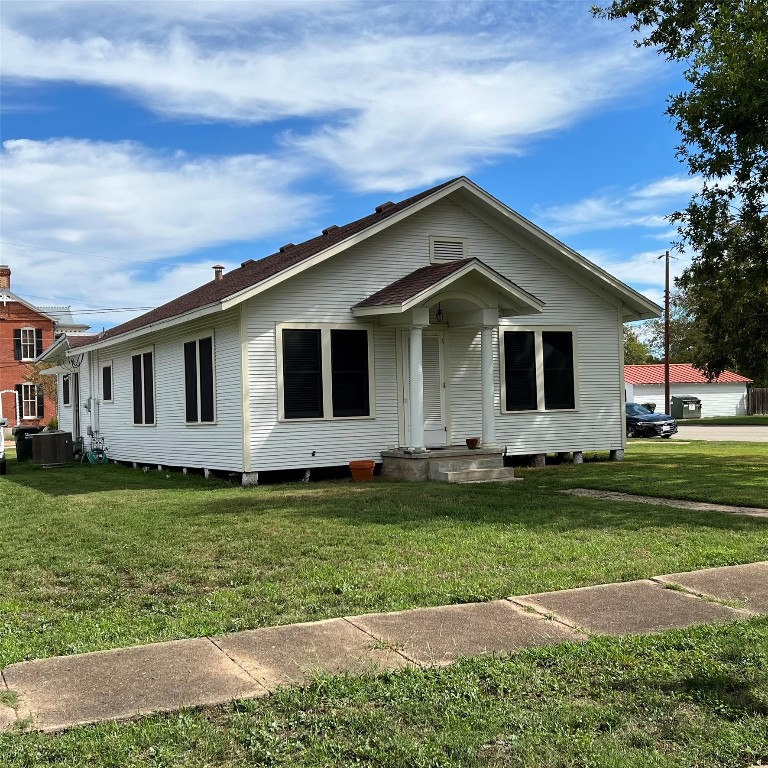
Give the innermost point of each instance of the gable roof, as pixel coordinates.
(255, 276)
(679, 373)
(6, 296)
(253, 272)
(425, 281)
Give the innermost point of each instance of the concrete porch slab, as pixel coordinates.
(291, 654)
(64, 691)
(634, 607)
(746, 584)
(438, 636)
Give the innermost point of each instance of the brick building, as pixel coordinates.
(25, 331)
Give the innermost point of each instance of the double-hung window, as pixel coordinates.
(27, 343)
(326, 372)
(539, 372)
(199, 389)
(31, 401)
(143, 370)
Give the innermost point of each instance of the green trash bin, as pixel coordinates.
(23, 437)
(686, 407)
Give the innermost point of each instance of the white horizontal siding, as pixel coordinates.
(326, 292)
(716, 399)
(171, 441)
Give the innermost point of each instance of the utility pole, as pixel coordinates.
(666, 333)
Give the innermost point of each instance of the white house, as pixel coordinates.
(724, 396)
(441, 317)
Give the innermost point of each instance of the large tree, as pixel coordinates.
(636, 351)
(685, 337)
(723, 122)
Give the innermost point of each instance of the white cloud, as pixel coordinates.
(130, 204)
(644, 271)
(646, 206)
(404, 93)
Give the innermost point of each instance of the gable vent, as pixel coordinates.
(448, 250)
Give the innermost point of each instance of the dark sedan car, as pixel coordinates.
(644, 423)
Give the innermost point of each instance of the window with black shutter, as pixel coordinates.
(520, 371)
(106, 383)
(65, 390)
(302, 373)
(326, 372)
(143, 380)
(558, 370)
(27, 343)
(199, 391)
(349, 377)
(536, 356)
(31, 401)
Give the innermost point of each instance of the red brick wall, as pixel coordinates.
(12, 372)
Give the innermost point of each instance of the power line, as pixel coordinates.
(111, 258)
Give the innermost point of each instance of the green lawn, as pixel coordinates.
(677, 700)
(731, 421)
(101, 557)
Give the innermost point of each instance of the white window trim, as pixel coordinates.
(102, 366)
(67, 404)
(325, 349)
(196, 338)
(445, 239)
(537, 330)
(28, 329)
(25, 386)
(133, 354)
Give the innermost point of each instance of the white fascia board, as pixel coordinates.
(529, 301)
(645, 307)
(7, 296)
(360, 237)
(160, 325)
(43, 356)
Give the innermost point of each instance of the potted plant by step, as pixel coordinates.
(473, 442)
(362, 469)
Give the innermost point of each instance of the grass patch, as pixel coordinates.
(104, 557)
(731, 421)
(684, 698)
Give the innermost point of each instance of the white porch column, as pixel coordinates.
(416, 405)
(486, 358)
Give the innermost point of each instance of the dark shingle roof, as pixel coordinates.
(80, 340)
(255, 272)
(412, 284)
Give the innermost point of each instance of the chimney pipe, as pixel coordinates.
(218, 270)
(5, 277)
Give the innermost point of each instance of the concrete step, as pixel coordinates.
(461, 463)
(487, 475)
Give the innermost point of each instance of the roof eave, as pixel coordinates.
(160, 325)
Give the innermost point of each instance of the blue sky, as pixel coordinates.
(145, 141)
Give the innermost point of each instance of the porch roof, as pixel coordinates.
(420, 285)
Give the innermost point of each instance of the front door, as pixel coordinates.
(433, 373)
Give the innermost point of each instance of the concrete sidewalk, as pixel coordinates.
(58, 693)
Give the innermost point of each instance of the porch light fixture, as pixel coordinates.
(439, 314)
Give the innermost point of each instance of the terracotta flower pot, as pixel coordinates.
(473, 442)
(362, 470)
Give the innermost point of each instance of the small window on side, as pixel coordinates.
(106, 383)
